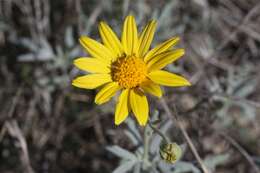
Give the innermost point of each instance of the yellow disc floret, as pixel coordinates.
(129, 71)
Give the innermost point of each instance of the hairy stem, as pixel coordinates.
(159, 132)
(146, 148)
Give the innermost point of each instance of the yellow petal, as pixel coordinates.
(139, 106)
(106, 92)
(122, 107)
(91, 81)
(161, 60)
(92, 65)
(161, 48)
(110, 39)
(146, 38)
(168, 79)
(129, 36)
(151, 88)
(96, 49)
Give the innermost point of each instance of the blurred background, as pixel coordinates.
(48, 126)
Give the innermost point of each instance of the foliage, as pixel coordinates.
(46, 125)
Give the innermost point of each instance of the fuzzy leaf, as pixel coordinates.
(125, 167)
(122, 153)
(182, 167)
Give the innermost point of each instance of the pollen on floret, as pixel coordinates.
(129, 71)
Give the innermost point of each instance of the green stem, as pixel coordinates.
(146, 149)
(159, 133)
(146, 144)
(146, 161)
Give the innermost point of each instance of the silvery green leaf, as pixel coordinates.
(156, 158)
(165, 167)
(183, 147)
(28, 44)
(165, 18)
(132, 128)
(213, 161)
(26, 57)
(125, 167)
(88, 24)
(139, 152)
(41, 52)
(107, 5)
(63, 80)
(41, 55)
(125, 7)
(246, 88)
(155, 116)
(155, 14)
(4, 26)
(43, 81)
(45, 55)
(142, 10)
(137, 168)
(182, 167)
(121, 152)
(59, 50)
(69, 37)
(132, 137)
(249, 111)
(75, 52)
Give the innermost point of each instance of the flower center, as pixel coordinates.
(129, 71)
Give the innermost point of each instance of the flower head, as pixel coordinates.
(128, 66)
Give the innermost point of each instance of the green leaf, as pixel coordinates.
(213, 161)
(182, 167)
(133, 129)
(122, 153)
(125, 167)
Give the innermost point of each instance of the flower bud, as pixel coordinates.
(170, 152)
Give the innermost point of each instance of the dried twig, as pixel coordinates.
(174, 118)
(239, 26)
(93, 17)
(78, 9)
(224, 43)
(235, 98)
(15, 131)
(14, 102)
(242, 151)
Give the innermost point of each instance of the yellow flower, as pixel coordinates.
(128, 66)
